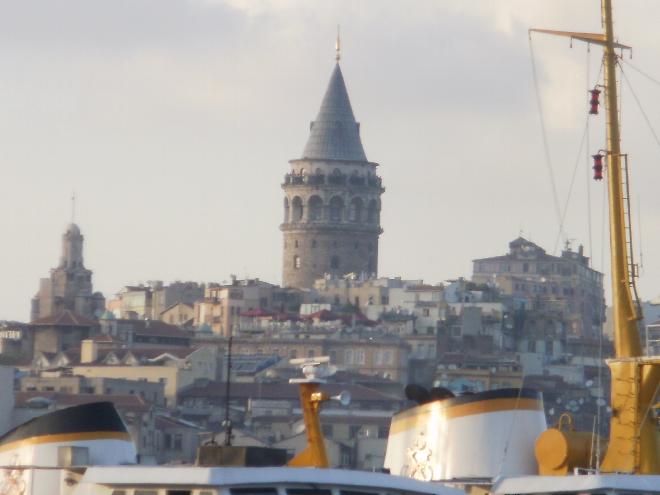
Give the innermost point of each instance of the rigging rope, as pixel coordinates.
(639, 105)
(650, 78)
(570, 188)
(587, 148)
(546, 148)
(585, 137)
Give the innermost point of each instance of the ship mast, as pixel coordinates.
(626, 336)
(634, 442)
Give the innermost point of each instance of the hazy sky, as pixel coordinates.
(174, 120)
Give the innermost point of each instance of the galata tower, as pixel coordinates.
(331, 198)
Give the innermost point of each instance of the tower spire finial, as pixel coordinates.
(338, 46)
(73, 207)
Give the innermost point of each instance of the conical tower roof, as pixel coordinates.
(335, 135)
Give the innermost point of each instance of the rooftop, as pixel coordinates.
(65, 318)
(335, 135)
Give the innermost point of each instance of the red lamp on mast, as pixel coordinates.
(594, 102)
(598, 166)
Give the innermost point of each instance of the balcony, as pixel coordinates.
(334, 179)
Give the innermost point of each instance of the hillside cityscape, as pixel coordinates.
(160, 351)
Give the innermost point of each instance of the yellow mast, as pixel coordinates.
(634, 442)
(626, 335)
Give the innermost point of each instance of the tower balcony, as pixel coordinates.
(326, 227)
(334, 180)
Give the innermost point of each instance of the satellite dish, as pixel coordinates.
(344, 398)
(417, 393)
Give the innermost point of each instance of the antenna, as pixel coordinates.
(227, 421)
(73, 207)
(338, 46)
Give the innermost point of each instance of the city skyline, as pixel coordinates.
(175, 129)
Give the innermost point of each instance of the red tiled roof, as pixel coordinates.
(65, 318)
(162, 422)
(140, 353)
(158, 328)
(323, 315)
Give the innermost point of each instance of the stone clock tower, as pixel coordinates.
(331, 198)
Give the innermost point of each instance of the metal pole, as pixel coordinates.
(227, 422)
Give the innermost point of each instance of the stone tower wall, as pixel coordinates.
(331, 220)
(352, 252)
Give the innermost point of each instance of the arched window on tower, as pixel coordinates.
(355, 214)
(336, 209)
(296, 209)
(296, 261)
(372, 211)
(334, 263)
(315, 206)
(286, 210)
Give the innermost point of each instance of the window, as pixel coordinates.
(327, 430)
(146, 492)
(353, 431)
(525, 267)
(355, 213)
(179, 492)
(348, 356)
(310, 353)
(531, 346)
(549, 347)
(372, 212)
(334, 263)
(336, 209)
(178, 441)
(313, 243)
(359, 356)
(296, 261)
(297, 209)
(315, 209)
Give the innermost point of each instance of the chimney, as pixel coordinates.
(89, 351)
